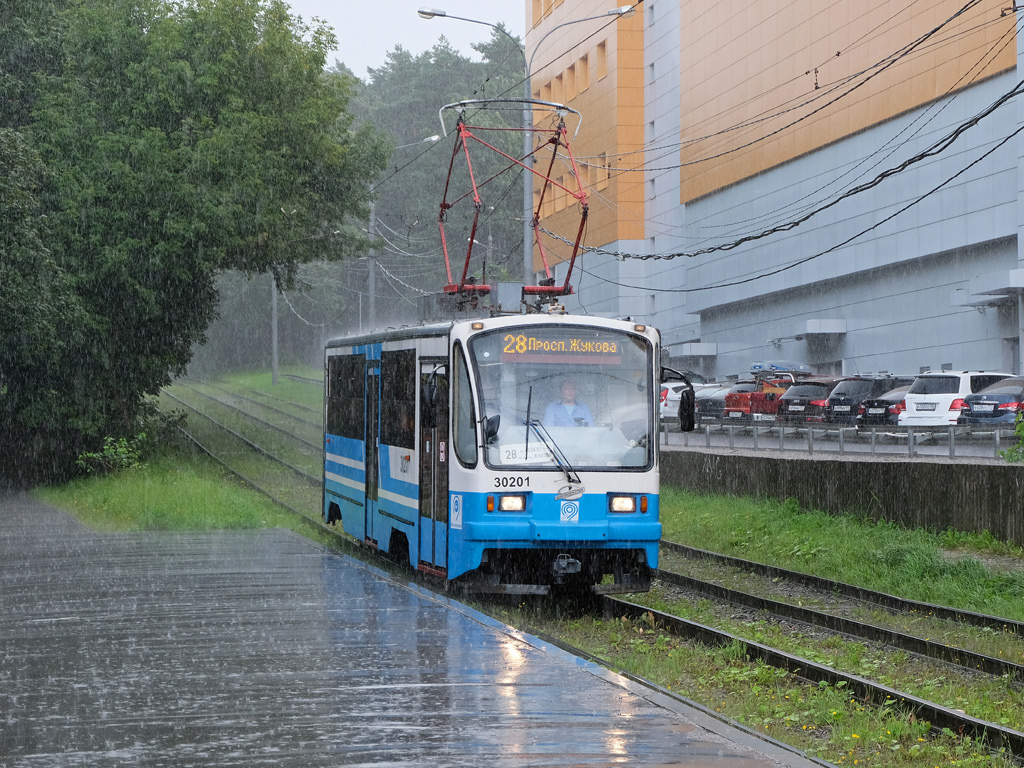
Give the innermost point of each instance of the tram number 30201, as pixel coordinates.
(511, 482)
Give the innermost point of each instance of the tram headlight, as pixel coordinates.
(511, 503)
(622, 504)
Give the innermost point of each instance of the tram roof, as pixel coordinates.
(443, 327)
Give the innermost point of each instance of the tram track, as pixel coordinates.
(306, 477)
(954, 655)
(262, 423)
(213, 384)
(831, 587)
(995, 735)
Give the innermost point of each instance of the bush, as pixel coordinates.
(119, 454)
(1015, 453)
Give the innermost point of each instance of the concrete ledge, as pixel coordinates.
(917, 493)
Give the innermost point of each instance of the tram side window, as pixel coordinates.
(398, 385)
(345, 395)
(465, 413)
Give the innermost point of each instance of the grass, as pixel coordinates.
(824, 721)
(914, 564)
(301, 392)
(172, 493)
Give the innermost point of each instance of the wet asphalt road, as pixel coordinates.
(262, 649)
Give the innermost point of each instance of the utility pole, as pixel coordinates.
(371, 267)
(273, 330)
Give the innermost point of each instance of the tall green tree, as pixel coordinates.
(402, 99)
(180, 140)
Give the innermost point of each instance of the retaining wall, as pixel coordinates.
(915, 493)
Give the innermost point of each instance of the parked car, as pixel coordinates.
(711, 402)
(805, 401)
(882, 411)
(737, 400)
(1000, 403)
(844, 401)
(671, 392)
(771, 378)
(935, 397)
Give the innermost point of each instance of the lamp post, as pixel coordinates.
(430, 13)
(428, 140)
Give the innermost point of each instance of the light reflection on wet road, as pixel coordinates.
(260, 649)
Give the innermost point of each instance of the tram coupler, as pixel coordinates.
(565, 565)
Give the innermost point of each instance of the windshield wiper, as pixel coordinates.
(556, 453)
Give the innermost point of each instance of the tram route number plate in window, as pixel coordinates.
(515, 453)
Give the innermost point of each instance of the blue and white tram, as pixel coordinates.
(444, 444)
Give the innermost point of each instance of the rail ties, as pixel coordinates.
(891, 602)
(995, 736)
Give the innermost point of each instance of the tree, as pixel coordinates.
(402, 99)
(181, 139)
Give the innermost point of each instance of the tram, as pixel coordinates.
(452, 445)
(505, 452)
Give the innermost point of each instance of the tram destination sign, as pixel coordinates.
(556, 345)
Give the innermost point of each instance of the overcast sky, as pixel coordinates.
(368, 30)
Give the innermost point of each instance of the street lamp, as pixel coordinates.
(428, 140)
(430, 13)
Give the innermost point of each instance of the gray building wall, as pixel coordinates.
(850, 289)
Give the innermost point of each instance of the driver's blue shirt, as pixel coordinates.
(560, 415)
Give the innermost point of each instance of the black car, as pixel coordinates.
(1000, 403)
(805, 401)
(844, 402)
(883, 411)
(710, 403)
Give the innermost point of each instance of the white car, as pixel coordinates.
(671, 392)
(935, 397)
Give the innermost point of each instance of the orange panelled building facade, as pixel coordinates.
(822, 181)
(596, 68)
(762, 83)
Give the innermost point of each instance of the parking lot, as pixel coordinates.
(954, 443)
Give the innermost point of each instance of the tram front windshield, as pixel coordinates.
(571, 395)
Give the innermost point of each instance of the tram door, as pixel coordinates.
(372, 458)
(433, 451)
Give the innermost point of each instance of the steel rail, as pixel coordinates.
(298, 406)
(993, 735)
(892, 602)
(251, 417)
(267, 406)
(921, 646)
(317, 482)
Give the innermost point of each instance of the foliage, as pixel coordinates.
(173, 492)
(1015, 453)
(165, 143)
(119, 454)
(402, 99)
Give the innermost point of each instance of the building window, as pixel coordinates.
(602, 171)
(583, 176)
(602, 59)
(570, 83)
(583, 73)
(558, 90)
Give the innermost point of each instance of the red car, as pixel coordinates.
(755, 401)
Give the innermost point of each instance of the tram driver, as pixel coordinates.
(567, 411)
